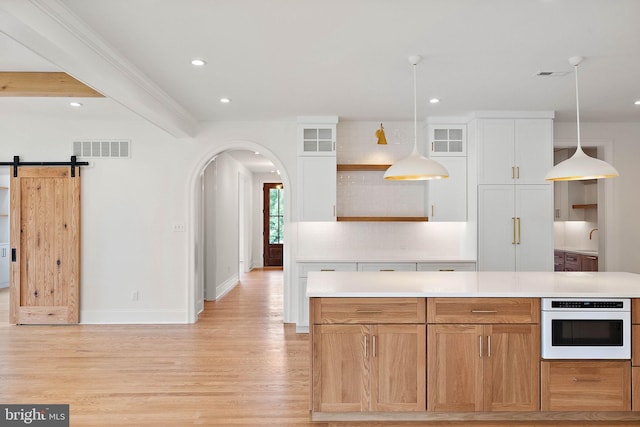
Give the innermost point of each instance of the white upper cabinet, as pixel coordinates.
(447, 198)
(317, 168)
(317, 136)
(447, 140)
(317, 188)
(515, 151)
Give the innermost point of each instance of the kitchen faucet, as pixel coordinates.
(591, 233)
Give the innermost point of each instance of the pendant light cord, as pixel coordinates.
(575, 67)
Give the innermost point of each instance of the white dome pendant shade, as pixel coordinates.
(415, 167)
(580, 166)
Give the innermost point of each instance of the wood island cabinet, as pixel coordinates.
(485, 358)
(367, 359)
(459, 360)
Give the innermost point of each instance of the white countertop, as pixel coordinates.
(473, 284)
(578, 251)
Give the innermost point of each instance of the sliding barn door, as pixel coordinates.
(45, 245)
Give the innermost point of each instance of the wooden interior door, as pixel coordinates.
(45, 245)
(273, 230)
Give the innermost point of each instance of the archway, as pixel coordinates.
(195, 231)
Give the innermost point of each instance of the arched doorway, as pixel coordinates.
(196, 236)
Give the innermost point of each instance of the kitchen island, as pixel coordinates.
(460, 346)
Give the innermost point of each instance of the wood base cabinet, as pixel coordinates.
(586, 385)
(359, 368)
(367, 366)
(483, 368)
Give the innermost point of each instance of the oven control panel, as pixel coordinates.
(578, 304)
(586, 304)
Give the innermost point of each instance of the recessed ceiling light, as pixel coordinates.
(198, 62)
(225, 100)
(637, 102)
(434, 100)
(75, 104)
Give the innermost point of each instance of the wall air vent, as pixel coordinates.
(552, 73)
(113, 149)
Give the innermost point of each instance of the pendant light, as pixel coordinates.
(580, 166)
(415, 167)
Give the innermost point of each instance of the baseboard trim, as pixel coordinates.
(226, 286)
(110, 317)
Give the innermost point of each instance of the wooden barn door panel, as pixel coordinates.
(45, 235)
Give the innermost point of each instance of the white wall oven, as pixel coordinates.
(598, 328)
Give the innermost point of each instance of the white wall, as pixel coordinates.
(623, 234)
(129, 207)
(222, 181)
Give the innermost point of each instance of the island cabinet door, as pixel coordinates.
(340, 368)
(512, 368)
(454, 368)
(398, 368)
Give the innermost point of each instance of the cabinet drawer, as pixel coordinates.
(305, 267)
(483, 310)
(386, 266)
(369, 310)
(447, 266)
(572, 262)
(586, 386)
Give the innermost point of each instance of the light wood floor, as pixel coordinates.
(238, 366)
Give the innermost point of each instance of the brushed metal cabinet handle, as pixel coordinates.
(586, 380)
(365, 346)
(373, 344)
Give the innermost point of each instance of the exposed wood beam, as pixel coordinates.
(54, 84)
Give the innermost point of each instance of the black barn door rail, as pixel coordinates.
(73, 163)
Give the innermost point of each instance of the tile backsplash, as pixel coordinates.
(575, 235)
(382, 240)
(366, 193)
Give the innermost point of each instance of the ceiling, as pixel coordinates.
(253, 161)
(278, 59)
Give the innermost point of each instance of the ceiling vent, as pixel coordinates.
(112, 149)
(552, 73)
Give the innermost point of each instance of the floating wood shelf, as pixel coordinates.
(585, 206)
(383, 218)
(362, 167)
